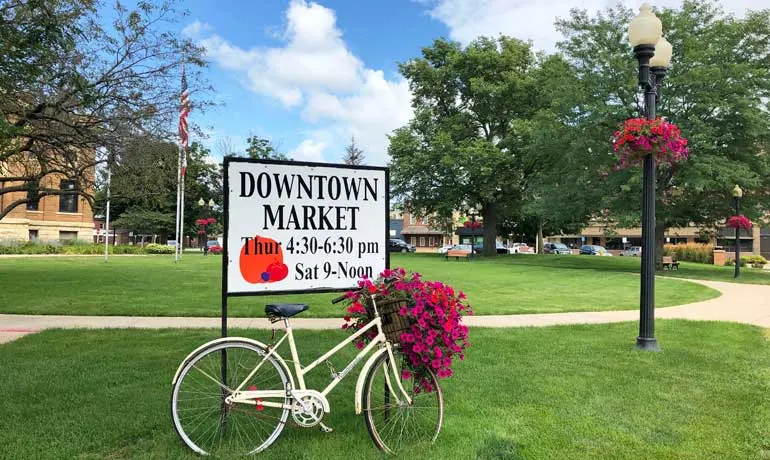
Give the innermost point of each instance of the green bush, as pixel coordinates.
(154, 248)
(731, 262)
(756, 261)
(690, 252)
(66, 248)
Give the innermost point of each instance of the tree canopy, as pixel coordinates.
(73, 89)
(717, 90)
(469, 144)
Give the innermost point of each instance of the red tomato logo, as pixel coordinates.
(261, 261)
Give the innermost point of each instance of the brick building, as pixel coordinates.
(53, 218)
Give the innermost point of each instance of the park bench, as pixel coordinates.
(457, 253)
(670, 264)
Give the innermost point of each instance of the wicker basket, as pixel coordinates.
(393, 324)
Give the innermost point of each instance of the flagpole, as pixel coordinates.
(178, 194)
(107, 218)
(181, 216)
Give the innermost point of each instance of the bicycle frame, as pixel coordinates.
(249, 396)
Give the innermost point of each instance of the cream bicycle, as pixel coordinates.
(246, 412)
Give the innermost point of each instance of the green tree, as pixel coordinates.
(144, 184)
(74, 87)
(353, 154)
(468, 142)
(261, 148)
(716, 90)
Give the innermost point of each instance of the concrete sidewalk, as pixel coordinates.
(742, 303)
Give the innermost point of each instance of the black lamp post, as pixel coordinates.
(737, 195)
(472, 213)
(654, 54)
(204, 246)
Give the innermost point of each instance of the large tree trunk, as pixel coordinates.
(660, 231)
(489, 213)
(539, 242)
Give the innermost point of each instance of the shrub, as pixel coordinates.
(731, 262)
(154, 248)
(756, 261)
(690, 252)
(75, 248)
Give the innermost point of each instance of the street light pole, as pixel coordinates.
(737, 195)
(651, 50)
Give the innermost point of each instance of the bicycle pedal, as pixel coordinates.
(326, 429)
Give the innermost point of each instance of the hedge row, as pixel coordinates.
(690, 252)
(34, 247)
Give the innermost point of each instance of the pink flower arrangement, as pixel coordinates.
(638, 137)
(472, 224)
(434, 310)
(207, 221)
(741, 222)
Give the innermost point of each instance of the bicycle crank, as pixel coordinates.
(308, 411)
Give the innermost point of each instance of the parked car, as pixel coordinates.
(461, 247)
(556, 248)
(443, 249)
(594, 250)
(396, 245)
(521, 248)
(633, 251)
(501, 249)
(214, 247)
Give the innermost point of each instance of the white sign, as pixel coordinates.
(303, 226)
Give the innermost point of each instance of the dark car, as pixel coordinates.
(556, 248)
(594, 250)
(396, 245)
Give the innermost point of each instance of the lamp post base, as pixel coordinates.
(647, 344)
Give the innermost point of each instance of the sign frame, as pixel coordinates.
(226, 217)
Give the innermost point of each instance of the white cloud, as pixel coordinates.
(315, 72)
(533, 20)
(195, 29)
(309, 150)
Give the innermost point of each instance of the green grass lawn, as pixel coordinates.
(156, 286)
(569, 392)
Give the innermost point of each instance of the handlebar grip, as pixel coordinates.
(339, 299)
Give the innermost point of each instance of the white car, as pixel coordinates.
(521, 248)
(443, 249)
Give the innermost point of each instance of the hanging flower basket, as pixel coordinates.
(741, 222)
(423, 317)
(638, 137)
(472, 224)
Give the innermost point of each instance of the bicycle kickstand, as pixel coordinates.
(326, 429)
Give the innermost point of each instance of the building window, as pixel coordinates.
(68, 200)
(33, 235)
(66, 236)
(430, 241)
(422, 241)
(33, 200)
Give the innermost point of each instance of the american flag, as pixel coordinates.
(183, 133)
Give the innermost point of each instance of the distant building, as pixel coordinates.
(53, 218)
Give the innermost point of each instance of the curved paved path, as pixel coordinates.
(742, 303)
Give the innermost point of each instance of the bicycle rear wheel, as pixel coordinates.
(396, 426)
(209, 426)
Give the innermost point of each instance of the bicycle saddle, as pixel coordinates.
(285, 310)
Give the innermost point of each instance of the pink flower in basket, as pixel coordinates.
(742, 222)
(425, 317)
(639, 137)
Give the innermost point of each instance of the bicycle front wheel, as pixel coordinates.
(396, 426)
(210, 426)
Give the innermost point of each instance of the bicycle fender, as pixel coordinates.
(362, 377)
(233, 339)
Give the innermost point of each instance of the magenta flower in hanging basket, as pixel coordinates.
(741, 222)
(201, 232)
(472, 224)
(638, 137)
(211, 220)
(201, 222)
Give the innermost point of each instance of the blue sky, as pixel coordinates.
(309, 75)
